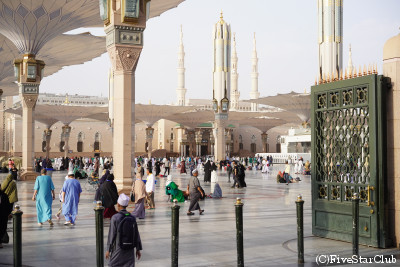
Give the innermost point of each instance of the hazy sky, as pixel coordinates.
(287, 47)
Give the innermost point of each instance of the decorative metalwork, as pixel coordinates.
(323, 192)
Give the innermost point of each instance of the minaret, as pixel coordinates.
(350, 63)
(254, 94)
(235, 95)
(221, 84)
(330, 36)
(181, 90)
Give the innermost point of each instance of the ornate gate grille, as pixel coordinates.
(347, 158)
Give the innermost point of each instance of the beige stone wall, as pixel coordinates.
(89, 128)
(391, 68)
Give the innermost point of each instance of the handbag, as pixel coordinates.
(132, 196)
(5, 239)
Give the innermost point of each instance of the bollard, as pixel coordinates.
(300, 229)
(17, 235)
(99, 210)
(239, 232)
(356, 202)
(175, 234)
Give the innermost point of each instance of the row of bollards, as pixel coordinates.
(17, 235)
(17, 232)
(99, 210)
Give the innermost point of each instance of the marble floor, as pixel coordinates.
(269, 216)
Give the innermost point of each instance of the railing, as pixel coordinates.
(281, 158)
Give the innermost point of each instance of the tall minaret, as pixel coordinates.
(181, 90)
(350, 66)
(235, 95)
(254, 94)
(330, 36)
(221, 84)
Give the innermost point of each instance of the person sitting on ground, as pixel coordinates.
(217, 192)
(171, 189)
(279, 178)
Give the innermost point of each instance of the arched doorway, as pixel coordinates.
(253, 146)
(96, 145)
(79, 144)
(240, 142)
(62, 143)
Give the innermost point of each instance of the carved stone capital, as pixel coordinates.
(124, 58)
(28, 101)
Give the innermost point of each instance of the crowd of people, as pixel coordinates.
(147, 172)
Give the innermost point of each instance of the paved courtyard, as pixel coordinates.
(207, 240)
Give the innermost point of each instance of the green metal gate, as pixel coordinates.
(348, 156)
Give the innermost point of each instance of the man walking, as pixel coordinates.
(150, 186)
(123, 236)
(71, 193)
(195, 194)
(44, 196)
(166, 166)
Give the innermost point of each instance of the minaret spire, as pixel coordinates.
(330, 36)
(235, 95)
(181, 90)
(254, 94)
(350, 63)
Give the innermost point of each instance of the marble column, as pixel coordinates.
(219, 135)
(391, 69)
(47, 134)
(149, 140)
(124, 42)
(66, 130)
(28, 72)
(264, 140)
(28, 136)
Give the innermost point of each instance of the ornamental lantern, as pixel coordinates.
(225, 105)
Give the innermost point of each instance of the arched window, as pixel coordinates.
(96, 145)
(79, 144)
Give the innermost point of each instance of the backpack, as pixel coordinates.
(126, 231)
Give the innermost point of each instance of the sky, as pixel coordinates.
(287, 47)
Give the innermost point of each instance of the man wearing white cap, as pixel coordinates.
(123, 237)
(71, 192)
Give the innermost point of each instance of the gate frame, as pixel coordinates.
(377, 137)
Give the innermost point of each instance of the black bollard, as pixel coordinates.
(356, 202)
(239, 232)
(99, 210)
(175, 234)
(17, 235)
(300, 229)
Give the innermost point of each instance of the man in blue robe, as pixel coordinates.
(44, 196)
(71, 193)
